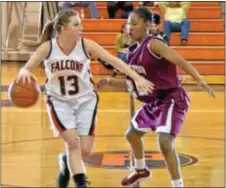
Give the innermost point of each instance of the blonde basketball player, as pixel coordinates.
(70, 94)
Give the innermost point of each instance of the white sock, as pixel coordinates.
(177, 183)
(140, 163)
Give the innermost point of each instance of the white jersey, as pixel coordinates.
(68, 75)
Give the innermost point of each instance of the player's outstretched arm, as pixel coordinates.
(163, 50)
(112, 82)
(141, 83)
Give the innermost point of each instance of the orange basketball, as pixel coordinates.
(24, 94)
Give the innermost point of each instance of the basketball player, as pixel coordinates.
(70, 94)
(163, 110)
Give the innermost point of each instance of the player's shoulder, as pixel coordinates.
(88, 42)
(90, 45)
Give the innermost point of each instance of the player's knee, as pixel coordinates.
(131, 136)
(73, 143)
(165, 144)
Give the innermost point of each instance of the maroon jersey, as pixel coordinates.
(156, 69)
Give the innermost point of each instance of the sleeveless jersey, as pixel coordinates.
(156, 69)
(68, 75)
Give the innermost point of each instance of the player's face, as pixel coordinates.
(137, 27)
(74, 27)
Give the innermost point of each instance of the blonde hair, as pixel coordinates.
(61, 19)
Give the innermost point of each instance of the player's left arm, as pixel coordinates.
(163, 50)
(141, 83)
(120, 84)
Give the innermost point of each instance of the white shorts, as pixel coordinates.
(76, 114)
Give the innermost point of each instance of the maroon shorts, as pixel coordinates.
(165, 114)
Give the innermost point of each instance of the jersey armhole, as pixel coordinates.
(84, 49)
(152, 53)
(50, 49)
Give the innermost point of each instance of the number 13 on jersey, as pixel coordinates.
(68, 85)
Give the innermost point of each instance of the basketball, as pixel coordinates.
(24, 94)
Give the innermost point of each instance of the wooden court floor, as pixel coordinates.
(29, 151)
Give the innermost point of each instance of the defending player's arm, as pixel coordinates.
(103, 54)
(120, 83)
(39, 55)
(163, 50)
(112, 82)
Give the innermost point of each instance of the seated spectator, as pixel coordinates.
(148, 3)
(115, 7)
(154, 28)
(70, 4)
(123, 41)
(175, 15)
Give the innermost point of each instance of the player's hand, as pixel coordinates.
(24, 75)
(144, 86)
(102, 82)
(203, 85)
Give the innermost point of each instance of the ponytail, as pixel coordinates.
(45, 36)
(47, 32)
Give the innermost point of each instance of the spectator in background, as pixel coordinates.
(175, 16)
(148, 3)
(93, 9)
(90, 4)
(154, 28)
(123, 41)
(123, 7)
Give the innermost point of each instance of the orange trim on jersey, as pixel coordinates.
(61, 48)
(93, 124)
(54, 116)
(92, 133)
(92, 81)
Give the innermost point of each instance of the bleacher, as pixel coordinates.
(205, 49)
